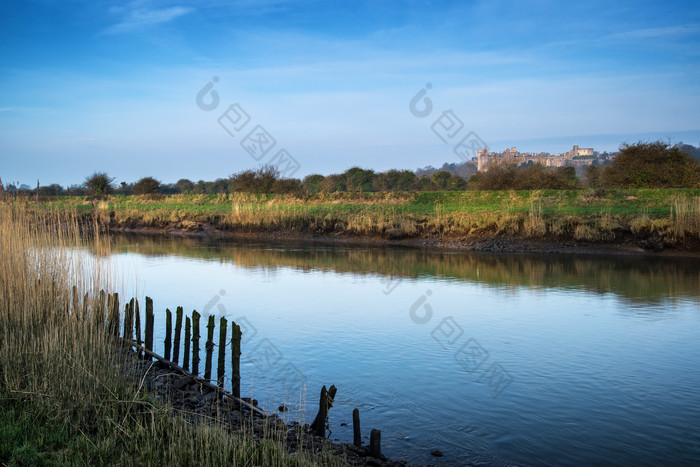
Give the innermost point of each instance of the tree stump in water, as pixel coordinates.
(318, 427)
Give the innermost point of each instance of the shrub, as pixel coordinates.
(651, 165)
(99, 183)
(147, 186)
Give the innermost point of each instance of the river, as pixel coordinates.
(490, 358)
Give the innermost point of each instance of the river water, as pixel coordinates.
(490, 358)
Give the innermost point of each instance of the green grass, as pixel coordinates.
(29, 437)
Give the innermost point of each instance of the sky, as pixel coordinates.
(205, 89)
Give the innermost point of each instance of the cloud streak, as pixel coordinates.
(669, 32)
(136, 17)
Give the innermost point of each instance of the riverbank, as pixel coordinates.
(201, 405)
(632, 221)
(499, 243)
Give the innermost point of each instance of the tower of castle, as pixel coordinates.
(482, 159)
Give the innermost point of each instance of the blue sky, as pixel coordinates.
(112, 86)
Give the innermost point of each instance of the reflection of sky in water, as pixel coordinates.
(597, 376)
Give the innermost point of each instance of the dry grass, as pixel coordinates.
(63, 397)
(535, 225)
(685, 214)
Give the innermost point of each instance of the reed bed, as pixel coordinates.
(64, 397)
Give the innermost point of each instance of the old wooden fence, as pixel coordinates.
(189, 360)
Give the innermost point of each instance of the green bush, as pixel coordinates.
(651, 165)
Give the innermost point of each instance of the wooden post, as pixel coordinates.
(86, 299)
(168, 332)
(129, 320)
(325, 402)
(356, 432)
(137, 314)
(186, 355)
(221, 365)
(375, 443)
(100, 318)
(114, 316)
(149, 325)
(178, 330)
(235, 359)
(209, 347)
(126, 321)
(109, 307)
(195, 342)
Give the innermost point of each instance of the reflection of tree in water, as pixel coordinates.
(638, 280)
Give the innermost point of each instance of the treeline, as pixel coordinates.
(266, 179)
(640, 165)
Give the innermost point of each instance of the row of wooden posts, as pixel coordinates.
(131, 331)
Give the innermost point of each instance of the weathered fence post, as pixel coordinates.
(356, 432)
(137, 314)
(195, 342)
(168, 332)
(129, 320)
(113, 316)
(209, 347)
(178, 330)
(235, 359)
(186, 354)
(86, 299)
(149, 325)
(375, 443)
(325, 402)
(100, 318)
(105, 317)
(221, 365)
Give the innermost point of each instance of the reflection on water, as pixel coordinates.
(525, 359)
(641, 280)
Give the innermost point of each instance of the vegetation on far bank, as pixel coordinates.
(669, 217)
(641, 165)
(64, 396)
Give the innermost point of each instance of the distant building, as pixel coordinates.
(577, 157)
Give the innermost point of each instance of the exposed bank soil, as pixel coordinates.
(201, 405)
(627, 245)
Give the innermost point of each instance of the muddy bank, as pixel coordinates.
(199, 404)
(626, 244)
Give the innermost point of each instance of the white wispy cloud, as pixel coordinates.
(141, 14)
(668, 32)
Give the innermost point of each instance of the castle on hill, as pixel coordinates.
(577, 157)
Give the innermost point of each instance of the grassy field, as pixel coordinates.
(64, 399)
(670, 215)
